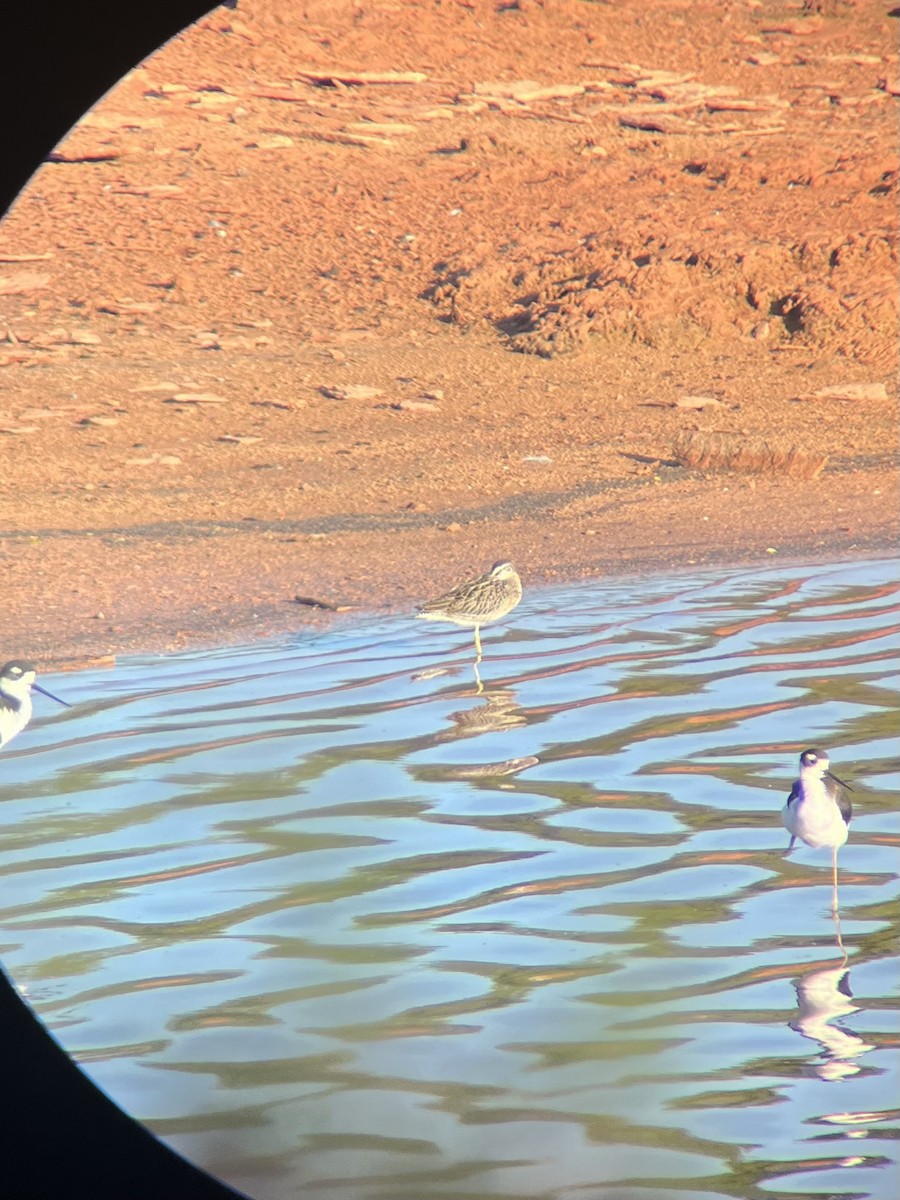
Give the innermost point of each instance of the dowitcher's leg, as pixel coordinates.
(480, 687)
(478, 643)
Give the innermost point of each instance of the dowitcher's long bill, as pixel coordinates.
(818, 810)
(478, 601)
(16, 685)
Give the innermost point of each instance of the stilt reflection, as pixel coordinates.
(822, 996)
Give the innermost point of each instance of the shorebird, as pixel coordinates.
(818, 810)
(478, 601)
(16, 683)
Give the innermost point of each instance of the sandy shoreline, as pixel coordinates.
(190, 593)
(347, 304)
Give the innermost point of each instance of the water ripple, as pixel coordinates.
(392, 937)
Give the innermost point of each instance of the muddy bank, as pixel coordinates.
(348, 304)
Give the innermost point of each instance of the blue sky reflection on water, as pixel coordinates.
(273, 900)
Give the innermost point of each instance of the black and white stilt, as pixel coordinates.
(818, 810)
(16, 684)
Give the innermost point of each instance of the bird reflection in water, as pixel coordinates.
(822, 996)
(498, 710)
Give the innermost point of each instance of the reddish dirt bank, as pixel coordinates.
(347, 303)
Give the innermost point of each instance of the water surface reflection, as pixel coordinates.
(312, 910)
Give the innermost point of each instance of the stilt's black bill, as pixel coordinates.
(840, 781)
(37, 688)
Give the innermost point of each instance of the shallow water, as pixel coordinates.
(263, 899)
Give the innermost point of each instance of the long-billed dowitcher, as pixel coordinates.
(818, 810)
(478, 601)
(16, 683)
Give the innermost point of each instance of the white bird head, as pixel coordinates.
(17, 680)
(814, 764)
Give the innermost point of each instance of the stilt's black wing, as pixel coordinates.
(795, 793)
(839, 793)
(844, 805)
